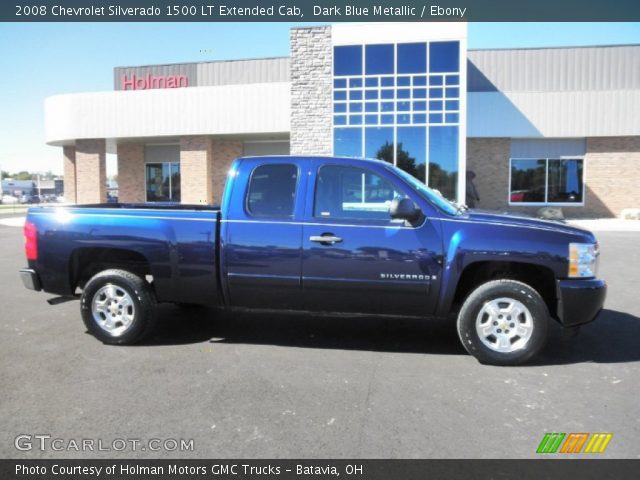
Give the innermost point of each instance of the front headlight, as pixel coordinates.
(583, 260)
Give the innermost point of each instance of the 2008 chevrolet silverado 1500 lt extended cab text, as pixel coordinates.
(320, 235)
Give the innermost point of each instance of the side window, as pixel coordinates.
(348, 192)
(272, 190)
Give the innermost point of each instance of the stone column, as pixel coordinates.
(224, 152)
(69, 170)
(131, 186)
(311, 90)
(196, 181)
(91, 171)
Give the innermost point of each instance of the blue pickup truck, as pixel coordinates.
(320, 234)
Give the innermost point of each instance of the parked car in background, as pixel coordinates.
(9, 200)
(29, 199)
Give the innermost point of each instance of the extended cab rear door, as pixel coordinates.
(355, 257)
(261, 232)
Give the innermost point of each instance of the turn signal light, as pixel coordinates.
(30, 241)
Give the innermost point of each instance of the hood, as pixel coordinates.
(559, 226)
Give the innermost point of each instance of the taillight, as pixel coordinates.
(30, 241)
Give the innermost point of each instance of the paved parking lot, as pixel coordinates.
(289, 386)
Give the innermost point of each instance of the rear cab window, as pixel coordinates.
(272, 191)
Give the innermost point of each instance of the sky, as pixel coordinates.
(40, 60)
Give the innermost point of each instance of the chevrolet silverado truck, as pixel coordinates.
(324, 235)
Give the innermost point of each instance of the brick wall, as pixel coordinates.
(91, 172)
(131, 186)
(196, 170)
(612, 171)
(489, 159)
(69, 170)
(224, 152)
(311, 90)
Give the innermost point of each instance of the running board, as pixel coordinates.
(59, 300)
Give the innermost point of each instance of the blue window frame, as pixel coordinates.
(379, 59)
(339, 107)
(443, 159)
(347, 60)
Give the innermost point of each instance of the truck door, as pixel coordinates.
(355, 257)
(261, 232)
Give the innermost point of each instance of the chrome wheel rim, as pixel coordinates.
(504, 325)
(113, 309)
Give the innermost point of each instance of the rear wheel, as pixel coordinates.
(118, 307)
(503, 322)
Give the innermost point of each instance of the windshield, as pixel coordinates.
(430, 195)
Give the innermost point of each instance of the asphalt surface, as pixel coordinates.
(286, 386)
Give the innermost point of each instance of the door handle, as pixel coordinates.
(325, 239)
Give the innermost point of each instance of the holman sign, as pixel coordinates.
(146, 82)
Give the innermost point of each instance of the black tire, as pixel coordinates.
(496, 289)
(143, 312)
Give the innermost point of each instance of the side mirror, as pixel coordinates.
(404, 209)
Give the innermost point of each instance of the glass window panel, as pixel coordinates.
(404, 81)
(272, 190)
(435, 93)
(420, 118)
(371, 94)
(411, 153)
(435, 105)
(355, 119)
(339, 95)
(340, 83)
(444, 57)
(379, 59)
(371, 107)
(403, 119)
(420, 81)
(565, 181)
(387, 82)
(347, 60)
(435, 118)
(355, 82)
(378, 143)
(371, 119)
(443, 160)
(452, 92)
(175, 182)
(528, 179)
(386, 94)
(452, 105)
(452, 79)
(404, 106)
(404, 93)
(339, 107)
(419, 93)
(371, 82)
(435, 80)
(348, 192)
(451, 118)
(340, 120)
(420, 106)
(157, 182)
(355, 95)
(355, 107)
(412, 57)
(347, 142)
(387, 106)
(386, 119)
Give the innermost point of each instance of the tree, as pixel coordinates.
(23, 175)
(404, 160)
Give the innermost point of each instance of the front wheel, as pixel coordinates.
(118, 307)
(503, 322)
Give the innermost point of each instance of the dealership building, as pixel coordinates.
(538, 126)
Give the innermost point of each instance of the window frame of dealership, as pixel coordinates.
(544, 124)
